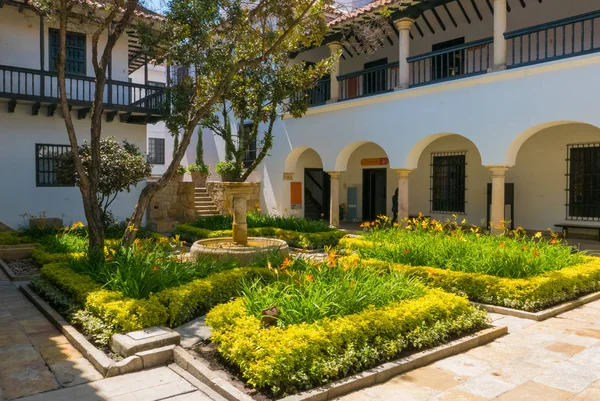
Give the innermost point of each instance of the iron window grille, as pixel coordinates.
(583, 182)
(45, 165)
(76, 52)
(448, 182)
(250, 155)
(156, 150)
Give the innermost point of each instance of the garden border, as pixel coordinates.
(544, 313)
(368, 378)
(20, 251)
(11, 275)
(103, 364)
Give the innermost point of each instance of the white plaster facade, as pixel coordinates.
(21, 130)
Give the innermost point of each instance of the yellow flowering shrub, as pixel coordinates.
(301, 356)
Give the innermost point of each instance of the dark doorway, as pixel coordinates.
(317, 190)
(375, 81)
(509, 200)
(449, 64)
(374, 193)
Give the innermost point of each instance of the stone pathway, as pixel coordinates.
(34, 356)
(554, 360)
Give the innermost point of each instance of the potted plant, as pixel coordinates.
(178, 177)
(199, 172)
(228, 170)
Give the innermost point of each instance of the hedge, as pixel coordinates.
(171, 307)
(529, 294)
(188, 232)
(298, 357)
(14, 238)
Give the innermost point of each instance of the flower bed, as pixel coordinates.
(532, 293)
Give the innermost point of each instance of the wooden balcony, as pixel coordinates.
(565, 38)
(136, 103)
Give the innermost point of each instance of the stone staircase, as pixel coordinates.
(205, 207)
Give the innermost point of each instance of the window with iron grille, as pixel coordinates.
(180, 74)
(75, 63)
(45, 165)
(250, 155)
(583, 182)
(156, 150)
(448, 182)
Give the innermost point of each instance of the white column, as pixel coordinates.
(497, 207)
(402, 193)
(499, 31)
(334, 48)
(286, 204)
(403, 26)
(334, 206)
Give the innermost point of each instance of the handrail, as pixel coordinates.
(450, 49)
(366, 71)
(553, 24)
(315, 181)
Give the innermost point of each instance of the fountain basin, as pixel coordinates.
(225, 248)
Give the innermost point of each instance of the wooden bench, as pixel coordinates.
(565, 228)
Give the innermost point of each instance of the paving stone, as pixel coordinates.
(53, 337)
(133, 382)
(499, 353)
(587, 332)
(487, 386)
(24, 379)
(583, 313)
(18, 354)
(78, 393)
(463, 365)
(531, 391)
(457, 395)
(590, 394)
(59, 352)
(569, 376)
(514, 323)
(193, 332)
(164, 391)
(518, 372)
(195, 396)
(75, 371)
(565, 348)
(432, 377)
(395, 389)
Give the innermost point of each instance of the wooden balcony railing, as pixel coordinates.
(368, 82)
(465, 60)
(569, 37)
(42, 86)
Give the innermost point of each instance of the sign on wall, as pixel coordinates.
(375, 161)
(296, 195)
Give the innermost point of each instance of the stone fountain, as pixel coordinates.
(240, 247)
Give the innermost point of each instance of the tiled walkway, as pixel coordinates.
(554, 360)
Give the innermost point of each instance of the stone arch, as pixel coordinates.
(414, 155)
(341, 162)
(291, 161)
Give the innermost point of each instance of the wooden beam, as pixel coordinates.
(51, 110)
(125, 117)
(450, 16)
(523, 3)
(490, 6)
(428, 24)
(419, 29)
(477, 10)
(1, 3)
(346, 51)
(462, 8)
(12, 105)
(439, 20)
(82, 113)
(35, 108)
(110, 116)
(508, 7)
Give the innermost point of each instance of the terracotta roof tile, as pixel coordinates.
(372, 6)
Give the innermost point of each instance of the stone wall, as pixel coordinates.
(224, 200)
(172, 205)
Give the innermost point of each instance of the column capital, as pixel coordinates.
(334, 47)
(335, 175)
(404, 23)
(498, 170)
(402, 172)
(288, 176)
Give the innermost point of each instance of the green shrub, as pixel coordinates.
(298, 357)
(63, 303)
(257, 220)
(316, 240)
(529, 294)
(430, 243)
(307, 292)
(14, 238)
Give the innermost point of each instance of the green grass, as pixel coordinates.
(307, 292)
(430, 243)
(15, 238)
(257, 220)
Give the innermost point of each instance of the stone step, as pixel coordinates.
(205, 214)
(206, 207)
(203, 198)
(200, 190)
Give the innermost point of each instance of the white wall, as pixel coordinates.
(19, 132)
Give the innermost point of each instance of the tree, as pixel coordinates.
(123, 166)
(108, 20)
(220, 41)
(257, 97)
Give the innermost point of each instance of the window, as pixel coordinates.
(75, 63)
(449, 64)
(180, 74)
(375, 81)
(45, 165)
(448, 178)
(251, 150)
(583, 182)
(156, 150)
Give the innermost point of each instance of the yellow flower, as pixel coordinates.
(538, 234)
(79, 224)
